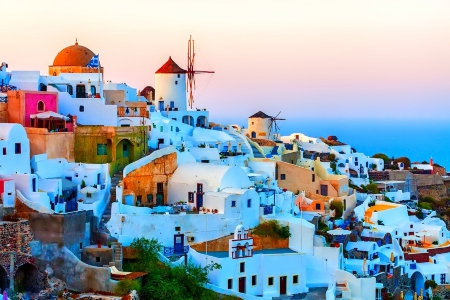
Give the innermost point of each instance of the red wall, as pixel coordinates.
(31, 102)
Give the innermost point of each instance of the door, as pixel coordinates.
(241, 284)
(253, 135)
(160, 141)
(324, 190)
(283, 280)
(161, 105)
(160, 194)
(178, 243)
(81, 91)
(98, 178)
(125, 149)
(199, 195)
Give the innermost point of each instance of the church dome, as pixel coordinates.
(74, 55)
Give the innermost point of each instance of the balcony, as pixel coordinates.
(171, 251)
(132, 112)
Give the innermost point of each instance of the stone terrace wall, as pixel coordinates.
(15, 237)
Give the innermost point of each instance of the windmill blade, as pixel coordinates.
(277, 115)
(276, 126)
(270, 126)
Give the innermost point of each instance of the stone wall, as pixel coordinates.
(63, 229)
(95, 256)
(55, 144)
(78, 276)
(435, 191)
(397, 280)
(3, 112)
(15, 237)
(143, 181)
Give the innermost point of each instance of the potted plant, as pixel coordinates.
(109, 244)
(83, 184)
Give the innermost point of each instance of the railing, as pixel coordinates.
(170, 251)
(249, 254)
(3, 99)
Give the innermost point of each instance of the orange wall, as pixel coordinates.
(143, 181)
(55, 144)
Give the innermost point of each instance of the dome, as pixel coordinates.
(75, 55)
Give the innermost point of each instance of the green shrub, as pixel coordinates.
(372, 188)
(425, 205)
(387, 199)
(429, 199)
(273, 229)
(406, 162)
(435, 243)
(127, 285)
(430, 283)
(419, 214)
(338, 207)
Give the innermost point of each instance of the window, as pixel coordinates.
(411, 226)
(139, 200)
(313, 178)
(81, 108)
(178, 75)
(432, 277)
(4, 150)
(41, 106)
(176, 81)
(254, 280)
(149, 198)
(283, 176)
(81, 245)
(318, 206)
(177, 228)
(199, 187)
(70, 89)
(249, 202)
(171, 128)
(161, 129)
(93, 90)
(101, 149)
(18, 148)
(191, 197)
(160, 187)
(230, 284)
(242, 267)
(154, 125)
(233, 203)
(270, 281)
(97, 259)
(295, 279)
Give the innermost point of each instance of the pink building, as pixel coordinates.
(23, 104)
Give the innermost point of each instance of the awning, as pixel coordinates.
(49, 115)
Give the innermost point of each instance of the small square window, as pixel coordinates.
(177, 228)
(242, 267)
(283, 176)
(270, 281)
(249, 202)
(97, 259)
(233, 203)
(176, 81)
(154, 125)
(81, 108)
(178, 75)
(101, 149)
(230, 284)
(254, 280)
(4, 150)
(295, 279)
(191, 197)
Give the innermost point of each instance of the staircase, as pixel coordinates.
(243, 140)
(115, 180)
(118, 254)
(256, 153)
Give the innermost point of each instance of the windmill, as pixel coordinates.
(273, 127)
(190, 84)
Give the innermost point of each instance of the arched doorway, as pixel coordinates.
(253, 135)
(417, 282)
(27, 279)
(125, 151)
(188, 120)
(4, 280)
(201, 121)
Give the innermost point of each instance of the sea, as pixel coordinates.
(417, 139)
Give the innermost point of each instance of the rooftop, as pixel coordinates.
(224, 254)
(170, 67)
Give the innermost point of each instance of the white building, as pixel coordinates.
(14, 149)
(267, 273)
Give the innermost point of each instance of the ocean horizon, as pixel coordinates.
(419, 140)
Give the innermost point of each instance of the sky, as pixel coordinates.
(313, 60)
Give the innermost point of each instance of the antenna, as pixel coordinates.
(190, 84)
(273, 127)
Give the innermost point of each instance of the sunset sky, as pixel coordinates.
(311, 59)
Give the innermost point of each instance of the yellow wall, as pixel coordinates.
(55, 144)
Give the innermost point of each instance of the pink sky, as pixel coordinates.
(305, 58)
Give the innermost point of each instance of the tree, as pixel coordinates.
(384, 157)
(338, 207)
(162, 281)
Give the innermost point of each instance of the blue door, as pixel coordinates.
(178, 243)
(161, 105)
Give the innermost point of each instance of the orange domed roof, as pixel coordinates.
(75, 55)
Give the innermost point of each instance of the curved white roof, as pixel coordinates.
(210, 136)
(8, 130)
(217, 176)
